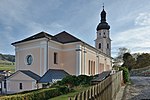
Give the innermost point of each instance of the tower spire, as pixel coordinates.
(103, 23)
(103, 6)
(103, 15)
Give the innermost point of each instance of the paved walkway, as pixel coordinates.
(139, 89)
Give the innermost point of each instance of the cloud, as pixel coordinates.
(137, 39)
(143, 19)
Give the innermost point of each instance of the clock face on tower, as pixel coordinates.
(104, 36)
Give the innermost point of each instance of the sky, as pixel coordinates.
(129, 21)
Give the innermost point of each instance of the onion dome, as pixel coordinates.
(103, 24)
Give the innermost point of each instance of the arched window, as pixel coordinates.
(99, 46)
(107, 46)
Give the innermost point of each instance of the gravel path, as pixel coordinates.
(139, 89)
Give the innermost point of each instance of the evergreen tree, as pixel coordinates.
(129, 61)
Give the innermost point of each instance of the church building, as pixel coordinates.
(44, 58)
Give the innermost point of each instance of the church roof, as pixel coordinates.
(53, 74)
(65, 37)
(62, 37)
(34, 37)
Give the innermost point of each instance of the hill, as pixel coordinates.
(7, 62)
(6, 57)
(2, 57)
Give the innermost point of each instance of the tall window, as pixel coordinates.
(89, 67)
(94, 68)
(99, 46)
(107, 46)
(55, 58)
(20, 86)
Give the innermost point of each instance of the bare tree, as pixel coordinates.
(118, 61)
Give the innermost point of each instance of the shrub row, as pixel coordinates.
(43, 94)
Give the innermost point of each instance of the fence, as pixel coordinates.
(105, 90)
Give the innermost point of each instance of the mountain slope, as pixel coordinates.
(5, 57)
(7, 62)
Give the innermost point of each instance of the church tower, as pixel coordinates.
(103, 41)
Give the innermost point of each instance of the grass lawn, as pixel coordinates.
(6, 65)
(11, 68)
(72, 94)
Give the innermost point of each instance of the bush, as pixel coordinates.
(63, 89)
(70, 81)
(84, 80)
(126, 74)
(42, 94)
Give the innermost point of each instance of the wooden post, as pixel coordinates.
(69, 98)
(88, 95)
(76, 97)
(80, 96)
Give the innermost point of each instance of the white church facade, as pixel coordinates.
(41, 55)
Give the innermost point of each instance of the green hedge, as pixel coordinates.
(126, 74)
(43, 94)
(72, 80)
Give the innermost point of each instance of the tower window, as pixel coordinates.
(107, 46)
(20, 86)
(99, 46)
(55, 58)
